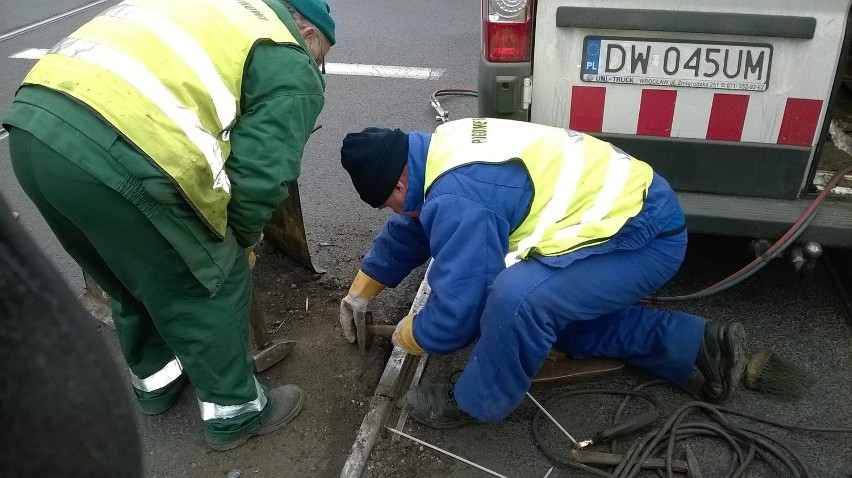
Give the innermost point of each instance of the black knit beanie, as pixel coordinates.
(374, 159)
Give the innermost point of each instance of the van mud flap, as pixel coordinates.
(286, 229)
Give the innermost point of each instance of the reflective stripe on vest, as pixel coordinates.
(157, 380)
(169, 82)
(139, 77)
(192, 53)
(212, 411)
(567, 180)
(585, 190)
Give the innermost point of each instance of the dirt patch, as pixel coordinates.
(337, 379)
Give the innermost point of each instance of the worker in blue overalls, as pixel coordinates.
(541, 237)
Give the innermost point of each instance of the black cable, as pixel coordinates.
(455, 92)
(748, 444)
(444, 115)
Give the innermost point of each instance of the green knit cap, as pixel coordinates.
(317, 12)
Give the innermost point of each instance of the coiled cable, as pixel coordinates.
(745, 442)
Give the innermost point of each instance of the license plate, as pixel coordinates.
(728, 66)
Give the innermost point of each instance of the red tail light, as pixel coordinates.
(506, 30)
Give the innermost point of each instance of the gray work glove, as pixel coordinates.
(349, 306)
(363, 289)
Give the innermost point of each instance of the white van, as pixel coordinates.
(729, 100)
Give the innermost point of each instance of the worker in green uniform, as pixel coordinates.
(156, 141)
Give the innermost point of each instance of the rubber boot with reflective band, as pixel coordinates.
(159, 391)
(280, 407)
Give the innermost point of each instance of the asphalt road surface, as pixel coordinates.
(438, 44)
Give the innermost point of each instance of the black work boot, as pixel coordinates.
(287, 402)
(435, 406)
(721, 359)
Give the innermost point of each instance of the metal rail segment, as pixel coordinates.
(392, 384)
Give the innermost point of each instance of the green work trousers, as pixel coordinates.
(161, 311)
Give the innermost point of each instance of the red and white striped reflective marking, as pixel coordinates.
(656, 112)
(694, 114)
(727, 117)
(800, 121)
(587, 108)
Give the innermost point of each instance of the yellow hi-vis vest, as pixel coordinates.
(584, 190)
(167, 74)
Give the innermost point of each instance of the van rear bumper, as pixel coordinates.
(767, 218)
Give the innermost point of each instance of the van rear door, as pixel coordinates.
(723, 97)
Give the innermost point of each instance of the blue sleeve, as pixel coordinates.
(469, 243)
(401, 247)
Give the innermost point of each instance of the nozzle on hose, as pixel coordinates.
(636, 423)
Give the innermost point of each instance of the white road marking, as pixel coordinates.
(54, 18)
(385, 71)
(30, 53)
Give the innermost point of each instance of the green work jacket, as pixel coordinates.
(267, 142)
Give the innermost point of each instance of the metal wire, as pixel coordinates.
(543, 410)
(463, 460)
